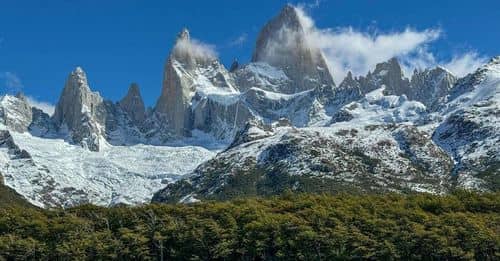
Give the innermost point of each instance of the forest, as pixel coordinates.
(461, 225)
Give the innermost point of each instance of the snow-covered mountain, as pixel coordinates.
(379, 142)
(277, 123)
(470, 131)
(373, 144)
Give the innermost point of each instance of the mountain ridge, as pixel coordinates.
(274, 124)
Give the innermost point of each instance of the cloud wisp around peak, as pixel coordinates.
(347, 49)
(44, 106)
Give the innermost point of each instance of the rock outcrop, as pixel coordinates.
(42, 124)
(283, 43)
(198, 92)
(388, 74)
(348, 90)
(173, 104)
(6, 141)
(15, 112)
(133, 104)
(184, 70)
(81, 112)
(431, 86)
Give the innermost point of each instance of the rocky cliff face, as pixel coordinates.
(175, 98)
(431, 86)
(283, 43)
(186, 72)
(80, 111)
(42, 124)
(388, 74)
(200, 94)
(7, 142)
(349, 90)
(133, 104)
(15, 112)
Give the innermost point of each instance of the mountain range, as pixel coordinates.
(276, 124)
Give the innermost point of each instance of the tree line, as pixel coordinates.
(462, 225)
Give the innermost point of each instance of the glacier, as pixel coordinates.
(62, 174)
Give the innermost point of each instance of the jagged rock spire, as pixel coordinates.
(392, 76)
(174, 98)
(76, 99)
(348, 82)
(183, 35)
(80, 111)
(190, 53)
(431, 86)
(283, 43)
(348, 90)
(177, 90)
(388, 74)
(234, 66)
(288, 18)
(349, 76)
(182, 50)
(133, 104)
(391, 68)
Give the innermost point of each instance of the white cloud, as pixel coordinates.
(11, 81)
(347, 49)
(465, 63)
(44, 106)
(359, 52)
(195, 48)
(239, 40)
(312, 4)
(460, 65)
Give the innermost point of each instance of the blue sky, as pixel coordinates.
(119, 42)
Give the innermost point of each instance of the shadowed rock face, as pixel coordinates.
(6, 141)
(175, 98)
(283, 43)
(81, 111)
(348, 90)
(133, 104)
(187, 69)
(431, 86)
(389, 74)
